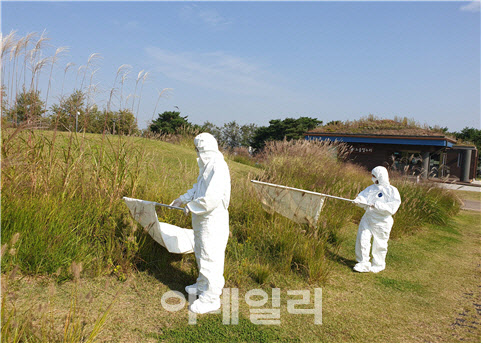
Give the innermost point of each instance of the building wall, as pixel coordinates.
(443, 160)
(455, 161)
(370, 156)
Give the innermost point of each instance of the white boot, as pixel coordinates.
(192, 289)
(204, 305)
(363, 267)
(376, 269)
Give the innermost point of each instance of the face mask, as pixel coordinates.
(374, 180)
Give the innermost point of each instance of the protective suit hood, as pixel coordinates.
(381, 175)
(207, 147)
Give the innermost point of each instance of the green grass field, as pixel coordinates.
(62, 207)
(430, 292)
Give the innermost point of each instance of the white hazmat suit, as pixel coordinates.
(381, 201)
(208, 202)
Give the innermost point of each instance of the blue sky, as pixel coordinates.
(256, 61)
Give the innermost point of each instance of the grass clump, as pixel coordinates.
(63, 195)
(422, 203)
(291, 249)
(319, 167)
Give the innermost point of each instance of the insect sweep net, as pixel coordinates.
(173, 238)
(296, 204)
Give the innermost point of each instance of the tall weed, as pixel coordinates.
(319, 167)
(67, 199)
(422, 203)
(289, 247)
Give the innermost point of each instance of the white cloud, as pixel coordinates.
(216, 70)
(207, 16)
(471, 6)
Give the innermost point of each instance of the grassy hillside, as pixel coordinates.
(62, 194)
(63, 216)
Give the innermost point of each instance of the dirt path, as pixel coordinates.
(468, 320)
(472, 205)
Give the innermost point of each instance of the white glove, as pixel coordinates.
(358, 202)
(177, 203)
(186, 210)
(361, 203)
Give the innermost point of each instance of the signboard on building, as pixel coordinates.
(362, 149)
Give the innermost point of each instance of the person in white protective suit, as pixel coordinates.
(381, 201)
(208, 202)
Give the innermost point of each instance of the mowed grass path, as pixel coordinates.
(430, 292)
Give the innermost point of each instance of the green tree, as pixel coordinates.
(64, 114)
(247, 134)
(109, 122)
(27, 107)
(92, 120)
(213, 129)
(289, 129)
(126, 122)
(169, 122)
(231, 134)
(472, 135)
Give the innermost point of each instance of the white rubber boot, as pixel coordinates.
(363, 267)
(192, 289)
(376, 269)
(203, 306)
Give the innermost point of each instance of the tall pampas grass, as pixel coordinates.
(54, 60)
(145, 77)
(160, 94)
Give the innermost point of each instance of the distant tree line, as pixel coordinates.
(72, 112)
(232, 135)
(68, 114)
(471, 135)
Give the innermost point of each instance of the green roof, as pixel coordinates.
(372, 125)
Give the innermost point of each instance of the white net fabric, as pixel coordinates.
(297, 205)
(173, 238)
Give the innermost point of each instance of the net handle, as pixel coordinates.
(299, 190)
